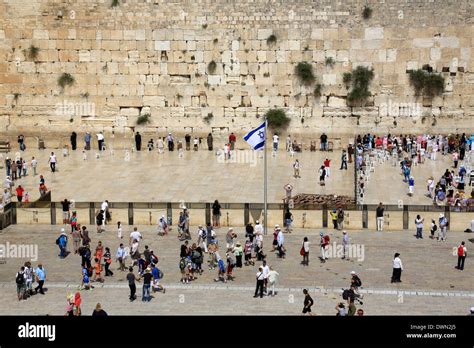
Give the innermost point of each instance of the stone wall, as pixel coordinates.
(152, 57)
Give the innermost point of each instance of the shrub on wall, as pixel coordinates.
(359, 79)
(143, 119)
(32, 52)
(426, 83)
(277, 119)
(65, 79)
(211, 67)
(367, 12)
(304, 71)
(272, 39)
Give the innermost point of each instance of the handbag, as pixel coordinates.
(302, 251)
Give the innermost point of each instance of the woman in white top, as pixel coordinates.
(397, 269)
(273, 279)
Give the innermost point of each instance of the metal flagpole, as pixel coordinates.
(265, 180)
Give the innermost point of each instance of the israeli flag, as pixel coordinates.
(256, 137)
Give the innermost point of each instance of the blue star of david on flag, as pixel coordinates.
(256, 137)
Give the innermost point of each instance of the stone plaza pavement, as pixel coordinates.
(153, 177)
(430, 284)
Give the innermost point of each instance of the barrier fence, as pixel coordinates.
(237, 214)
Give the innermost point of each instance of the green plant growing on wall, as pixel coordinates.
(366, 12)
(16, 96)
(426, 83)
(346, 79)
(65, 79)
(207, 119)
(115, 3)
(215, 41)
(271, 40)
(317, 90)
(32, 52)
(330, 62)
(360, 79)
(277, 119)
(85, 95)
(143, 119)
(304, 71)
(267, 74)
(204, 26)
(211, 67)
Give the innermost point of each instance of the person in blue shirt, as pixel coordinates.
(40, 273)
(157, 275)
(62, 243)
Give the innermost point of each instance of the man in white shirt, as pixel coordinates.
(265, 270)
(105, 208)
(280, 241)
(52, 162)
(275, 142)
(135, 235)
(258, 228)
(100, 141)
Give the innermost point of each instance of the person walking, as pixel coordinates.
(19, 193)
(419, 226)
(260, 279)
(323, 244)
(411, 186)
(147, 278)
(379, 216)
(334, 218)
(322, 176)
(307, 303)
(343, 160)
(443, 224)
(62, 244)
(327, 166)
(345, 245)
(131, 278)
(40, 274)
(397, 269)
(462, 253)
(121, 254)
(305, 252)
(280, 246)
(272, 280)
(34, 165)
(52, 162)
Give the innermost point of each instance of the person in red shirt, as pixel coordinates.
(327, 163)
(19, 193)
(232, 140)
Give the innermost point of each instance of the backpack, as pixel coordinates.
(357, 282)
(20, 278)
(461, 250)
(348, 293)
(160, 274)
(182, 264)
(57, 241)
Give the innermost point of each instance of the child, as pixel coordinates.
(98, 271)
(248, 253)
(119, 230)
(77, 304)
(433, 228)
(85, 280)
(73, 221)
(99, 251)
(27, 197)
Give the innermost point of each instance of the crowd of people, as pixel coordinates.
(412, 150)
